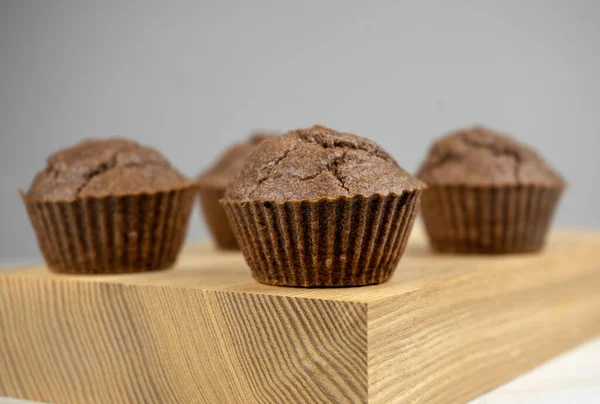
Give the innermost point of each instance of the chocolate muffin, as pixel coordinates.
(487, 194)
(213, 182)
(109, 206)
(316, 207)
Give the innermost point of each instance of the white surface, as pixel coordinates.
(573, 377)
(570, 378)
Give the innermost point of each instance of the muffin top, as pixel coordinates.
(231, 161)
(96, 168)
(481, 157)
(318, 162)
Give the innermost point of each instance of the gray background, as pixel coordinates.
(191, 77)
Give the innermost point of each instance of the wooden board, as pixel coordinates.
(444, 329)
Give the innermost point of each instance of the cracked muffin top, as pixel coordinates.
(96, 168)
(482, 157)
(231, 161)
(316, 163)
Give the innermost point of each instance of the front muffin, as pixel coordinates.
(213, 182)
(109, 206)
(316, 207)
(487, 193)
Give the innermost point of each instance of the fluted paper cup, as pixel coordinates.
(330, 242)
(215, 216)
(112, 234)
(493, 220)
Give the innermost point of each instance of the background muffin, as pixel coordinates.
(316, 207)
(109, 206)
(213, 182)
(487, 193)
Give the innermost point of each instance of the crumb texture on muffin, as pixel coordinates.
(481, 156)
(232, 160)
(318, 162)
(96, 168)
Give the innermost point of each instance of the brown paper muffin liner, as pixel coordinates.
(216, 218)
(112, 234)
(493, 220)
(331, 242)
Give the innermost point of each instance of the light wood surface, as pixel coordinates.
(443, 329)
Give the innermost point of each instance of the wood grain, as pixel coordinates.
(444, 329)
